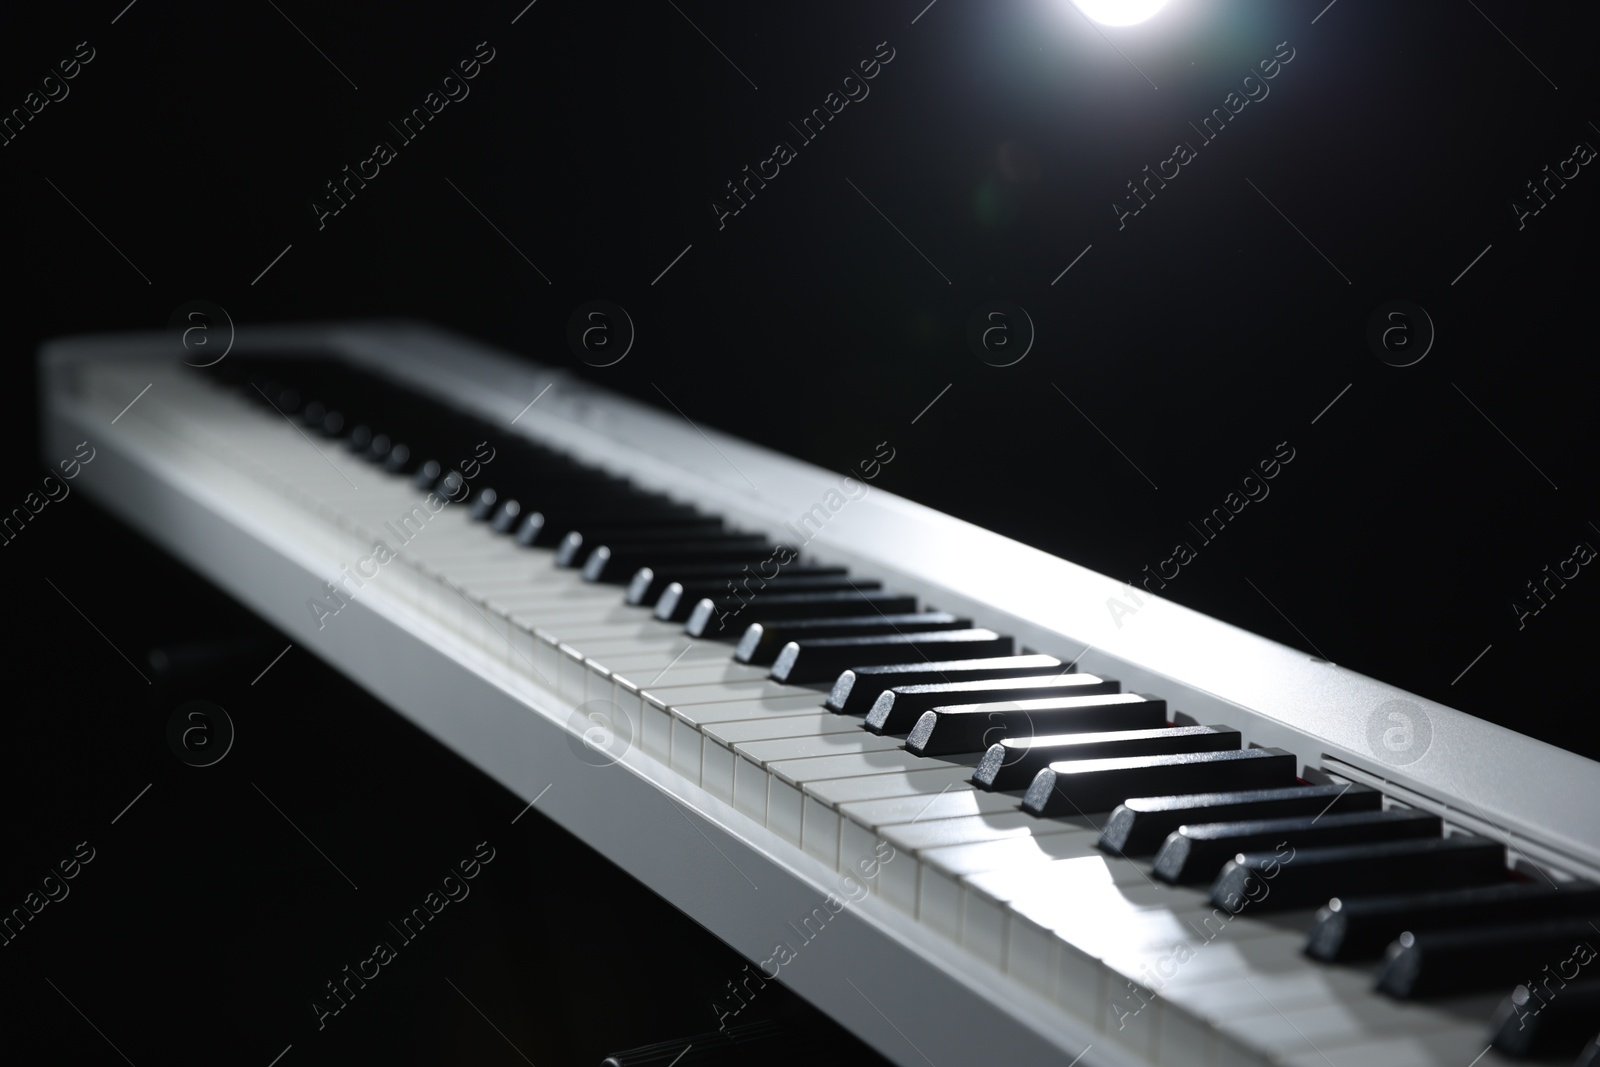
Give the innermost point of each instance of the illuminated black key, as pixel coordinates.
(949, 731)
(648, 584)
(427, 475)
(546, 522)
(762, 640)
(1436, 963)
(360, 439)
(616, 564)
(273, 393)
(897, 710)
(577, 544)
(856, 690)
(804, 663)
(1139, 825)
(1362, 927)
(1195, 853)
(484, 505)
(398, 460)
(1083, 786)
(1012, 763)
(1307, 877)
(728, 617)
(505, 516)
(1547, 1017)
(453, 488)
(679, 599)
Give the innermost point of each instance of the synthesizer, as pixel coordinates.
(909, 768)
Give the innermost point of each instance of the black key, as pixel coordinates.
(1547, 1018)
(572, 486)
(546, 525)
(761, 641)
(616, 564)
(1309, 876)
(777, 607)
(577, 545)
(275, 394)
(856, 690)
(360, 439)
(1140, 825)
(648, 584)
(427, 475)
(288, 401)
(1012, 762)
(1362, 927)
(505, 516)
(1081, 786)
(680, 598)
(484, 506)
(1434, 963)
(822, 659)
(453, 487)
(398, 460)
(1195, 853)
(897, 710)
(378, 451)
(949, 731)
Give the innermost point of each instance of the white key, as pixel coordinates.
(1445, 1048)
(631, 630)
(1190, 1016)
(768, 727)
(986, 897)
(572, 671)
(752, 760)
(913, 838)
(555, 605)
(954, 804)
(1290, 1030)
(786, 779)
(610, 656)
(494, 564)
(662, 724)
(685, 721)
(822, 800)
(650, 671)
(669, 695)
(712, 745)
(761, 753)
(628, 675)
(938, 889)
(1145, 960)
(604, 656)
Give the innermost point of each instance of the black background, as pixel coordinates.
(1212, 327)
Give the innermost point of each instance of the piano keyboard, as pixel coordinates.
(1159, 849)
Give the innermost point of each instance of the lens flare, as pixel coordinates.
(1119, 12)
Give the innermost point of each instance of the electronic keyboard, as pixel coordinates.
(913, 770)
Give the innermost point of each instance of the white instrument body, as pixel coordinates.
(250, 506)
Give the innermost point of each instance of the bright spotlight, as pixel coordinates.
(1119, 12)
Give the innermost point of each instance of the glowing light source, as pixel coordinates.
(1119, 12)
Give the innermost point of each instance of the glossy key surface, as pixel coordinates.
(856, 690)
(1102, 784)
(1012, 762)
